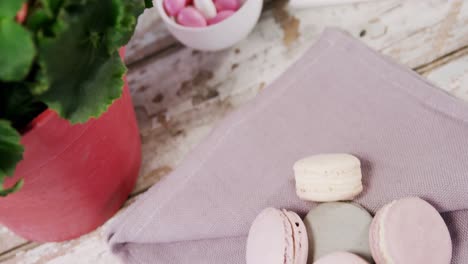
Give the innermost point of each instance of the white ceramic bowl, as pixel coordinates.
(219, 36)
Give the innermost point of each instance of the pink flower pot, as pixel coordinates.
(75, 177)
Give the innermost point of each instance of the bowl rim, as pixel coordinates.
(168, 20)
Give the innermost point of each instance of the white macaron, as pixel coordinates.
(328, 177)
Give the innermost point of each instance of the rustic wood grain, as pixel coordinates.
(452, 77)
(180, 94)
(150, 37)
(9, 241)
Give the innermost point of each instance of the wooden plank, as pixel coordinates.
(181, 94)
(150, 37)
(452, 77)
(9, 241)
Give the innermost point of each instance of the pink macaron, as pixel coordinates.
(341, 258)
(277, 237)
(410, 230)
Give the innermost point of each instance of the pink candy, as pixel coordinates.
(191, 17)
(173, 7)
(200, 13)
(220, 17)
(223, 5)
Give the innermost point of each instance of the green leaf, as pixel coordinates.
(16, 187)
(53, 5)
(9, 8)
(126, 22)
(38, 18)
(79, 62)
(42, 15)
(78, 99)
(18, 105)
(17, 51)
(148, 3)
(11, 150)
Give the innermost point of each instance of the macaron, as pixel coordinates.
(410, 230)
(328, 177)
(341, 258)
(338, 226)
(277, 237)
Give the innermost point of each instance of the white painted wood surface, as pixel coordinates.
(9, 240)
(452, 77)
(180, 94)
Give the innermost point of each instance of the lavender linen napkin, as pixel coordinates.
(340, 97)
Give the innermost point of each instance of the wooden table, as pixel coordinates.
(180, 94)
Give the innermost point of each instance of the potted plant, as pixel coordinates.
(69, 142)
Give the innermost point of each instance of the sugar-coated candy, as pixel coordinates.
(223, 5)
(206, 7)
(173, 7)
(191, 17)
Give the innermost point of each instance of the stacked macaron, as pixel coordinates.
(328, 177)
(200, 13)
(404, 231)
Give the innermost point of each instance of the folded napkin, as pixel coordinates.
(411, 137)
